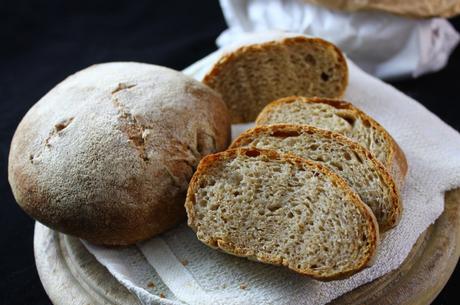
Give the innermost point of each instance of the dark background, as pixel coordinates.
(42, 42)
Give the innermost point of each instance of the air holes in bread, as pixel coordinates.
(319, 159)
(274, 207)
(337, 165)
(285, 134)
(358, 157)
(347, 117)
(348, 160)
(252, 153)
(325, 77)
(310, 59)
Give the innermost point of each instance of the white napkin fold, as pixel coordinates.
(383, 44)
(176, 268)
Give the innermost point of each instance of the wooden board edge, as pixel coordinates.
(425, 271)
(418, 281)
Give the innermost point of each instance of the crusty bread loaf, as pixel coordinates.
(349, 160)
(411, 8)
(342, 117)
(283, 210)
(254, 75)
(108, 153)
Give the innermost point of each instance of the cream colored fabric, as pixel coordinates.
(382, 44)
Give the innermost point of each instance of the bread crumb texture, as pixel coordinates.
(254, 75)
(342, 117)
(356, 165)
(283, 210)
(334, 115)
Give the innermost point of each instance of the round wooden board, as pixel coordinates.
(72, 276)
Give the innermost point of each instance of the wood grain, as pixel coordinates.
(72, 276)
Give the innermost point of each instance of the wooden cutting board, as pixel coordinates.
(72, 276)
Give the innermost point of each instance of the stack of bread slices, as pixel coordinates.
(313, 185)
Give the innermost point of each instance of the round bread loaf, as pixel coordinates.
(108, 153)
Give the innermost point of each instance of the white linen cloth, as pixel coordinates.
(380, 43)
(176, 268)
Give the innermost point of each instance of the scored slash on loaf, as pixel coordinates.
(108, 153)
(281, 209)
(254, 75)
(362, 171)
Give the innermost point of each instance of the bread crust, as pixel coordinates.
(409, 8)
(227, 59)
(396, 162)
(209, 161)
(397, 208)
(107, 154)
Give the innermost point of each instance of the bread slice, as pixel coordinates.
(283, 210)
(341, 117)
(356, 165)
(254, 75)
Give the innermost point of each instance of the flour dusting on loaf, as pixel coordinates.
(108, 153)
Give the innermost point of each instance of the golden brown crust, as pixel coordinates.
(227, 59)
(210, 160)
(288, 129)
(411, 8)
(398, 165)
(396, 162)
(109, 160)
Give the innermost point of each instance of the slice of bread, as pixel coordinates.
(254, 75)
(281, 209)
(355, 164)
(341, 117)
